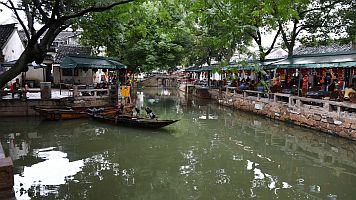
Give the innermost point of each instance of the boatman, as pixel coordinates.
(150, 113)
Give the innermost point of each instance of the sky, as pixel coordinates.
(6, 15)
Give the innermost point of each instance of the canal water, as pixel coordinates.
(213, 152)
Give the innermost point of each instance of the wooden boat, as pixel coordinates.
(62, 113)
(131, 121)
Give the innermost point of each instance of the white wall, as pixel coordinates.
(35, 74)
(13, 48)
(85, 78)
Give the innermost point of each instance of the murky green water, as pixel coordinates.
(213, 152)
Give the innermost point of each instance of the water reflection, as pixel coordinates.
(234, 155)
(41, 177)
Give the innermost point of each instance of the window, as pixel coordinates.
(68, 72)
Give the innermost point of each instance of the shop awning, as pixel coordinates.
(202, 69)
(91, 62)
(237, 68)
(342, 59)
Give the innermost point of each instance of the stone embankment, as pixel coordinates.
(338, 118)
(19, 107)
(6, 176)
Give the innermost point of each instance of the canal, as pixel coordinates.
(213, 152)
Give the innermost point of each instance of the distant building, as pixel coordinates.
(10, 43)
(66, 43)
(72, 76)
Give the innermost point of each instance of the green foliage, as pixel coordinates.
(152, 34)
(146, 36)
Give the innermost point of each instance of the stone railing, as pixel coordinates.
(90, 93)
(326, 105)
(295, 101)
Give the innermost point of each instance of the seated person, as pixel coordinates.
(150, 113)
(137, 112)
(120, 110)
(348, 91)
(244, 86)
(234, 83)
(16, 88)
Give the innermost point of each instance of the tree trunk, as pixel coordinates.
(21, 65)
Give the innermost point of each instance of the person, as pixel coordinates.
(120, 110)
(150, 112)
(137, 112)
(328, 81)
(16, 88)
(305, 82)
(348, 91)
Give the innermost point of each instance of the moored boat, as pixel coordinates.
(62, 113)
(132, 121)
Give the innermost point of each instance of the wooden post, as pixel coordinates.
(60, 81)
(75, 91)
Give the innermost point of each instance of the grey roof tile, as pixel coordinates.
(322, 49)
(5, 33)
(66, 50)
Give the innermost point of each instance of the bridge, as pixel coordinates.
(160, 80)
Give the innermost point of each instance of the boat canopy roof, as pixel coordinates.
(91, 62)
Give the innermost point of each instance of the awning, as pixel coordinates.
(9, 64)
(91, 62)
(342, 59)
(202, 69)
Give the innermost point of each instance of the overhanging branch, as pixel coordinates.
(13, 8)
(94, 9)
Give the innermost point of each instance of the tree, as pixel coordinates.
(234, 23)
(55, 15)
(312, 17)
(149, 35)
(254, 19)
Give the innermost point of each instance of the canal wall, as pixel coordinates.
(6, 176)
(19, 107)
(330, 117)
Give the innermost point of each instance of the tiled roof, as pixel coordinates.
(5, 33)
(64, 35)
(66, 50)
(322, 49)
(23, 37)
